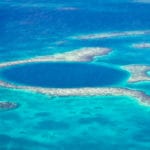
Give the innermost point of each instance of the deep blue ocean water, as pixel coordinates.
(64, 75)
(43, 27)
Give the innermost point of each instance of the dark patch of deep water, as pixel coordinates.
(64, 75)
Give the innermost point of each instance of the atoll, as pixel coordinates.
(87, 91)
(87, 54)
(138, 73)
(141, 45)
(110, 35)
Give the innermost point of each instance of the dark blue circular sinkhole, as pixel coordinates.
(64, 75)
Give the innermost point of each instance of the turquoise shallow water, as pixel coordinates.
(29, 29)
(74, 123)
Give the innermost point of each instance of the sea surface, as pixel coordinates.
(64, 75)
(32, 28)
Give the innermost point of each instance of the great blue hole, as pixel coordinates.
(63, 75)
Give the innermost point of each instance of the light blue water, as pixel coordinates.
(29, 29)
(74, 123)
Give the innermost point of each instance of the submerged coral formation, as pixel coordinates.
(80, 55)
(144, 45)
(5, 105)
(87, 54)
(111, 35)
(138, 72)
